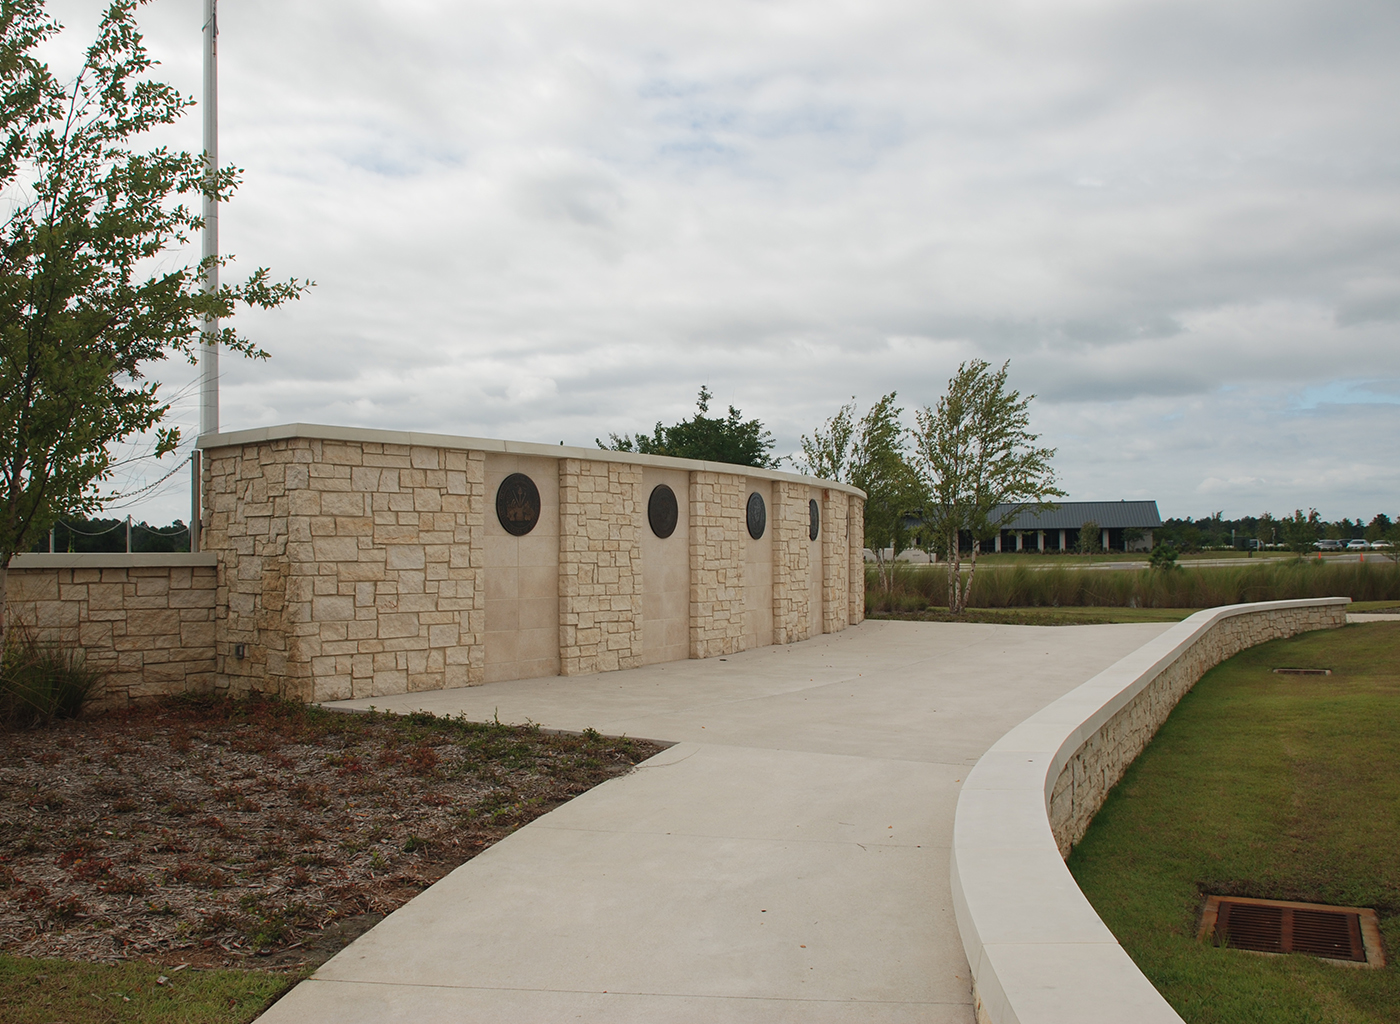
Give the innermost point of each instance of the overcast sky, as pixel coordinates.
(550, 221)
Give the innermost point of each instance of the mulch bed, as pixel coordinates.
(258, 832)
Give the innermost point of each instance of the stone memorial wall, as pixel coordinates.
(356, 563)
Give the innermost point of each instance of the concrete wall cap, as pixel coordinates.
(320, 432)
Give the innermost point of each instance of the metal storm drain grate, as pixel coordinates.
(1302, 671)
(1346, 934)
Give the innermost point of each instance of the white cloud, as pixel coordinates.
(550, 221)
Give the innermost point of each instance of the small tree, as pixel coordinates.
(89, 294)
(1266, 530)
(1300, 531)
(827, 452)
(1163, 557)
(1089, 543)
(731, 439)
(980, 465)
(880, 467)
(871, 454)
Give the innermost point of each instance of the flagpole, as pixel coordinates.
(209, 342)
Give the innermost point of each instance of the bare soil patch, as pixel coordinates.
(259, 832)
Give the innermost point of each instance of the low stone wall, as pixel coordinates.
(1095, 768)
(1037, 950)
(146, 620)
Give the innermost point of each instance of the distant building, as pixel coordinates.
(1125, 526)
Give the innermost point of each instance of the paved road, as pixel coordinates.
(785, 860)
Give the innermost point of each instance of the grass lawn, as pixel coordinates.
(1070, 616)
(1386, 607)
(1280, 787)
(44, 991)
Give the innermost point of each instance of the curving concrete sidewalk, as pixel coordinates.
(786, 860)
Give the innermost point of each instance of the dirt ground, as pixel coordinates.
(219, 833)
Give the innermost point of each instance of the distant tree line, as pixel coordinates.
(1297, 531)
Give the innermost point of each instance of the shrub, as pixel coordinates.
(41, 680)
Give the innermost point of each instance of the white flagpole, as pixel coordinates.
(209, 344)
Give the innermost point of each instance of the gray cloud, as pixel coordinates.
(545, 221)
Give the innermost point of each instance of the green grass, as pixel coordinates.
(1387, 607)
(43, 991)
(1279, 787)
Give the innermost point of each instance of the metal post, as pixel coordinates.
(196, 515)
(128, 533)
(209, 344)
(51, 529)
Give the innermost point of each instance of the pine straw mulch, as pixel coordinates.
(258, 832)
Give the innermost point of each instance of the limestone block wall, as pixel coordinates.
(348, 568)
(792, 564)
(361, 562)
(600, 571)
(855, 565)
(717, 533)
(145, 620)
(1095, 768)
(836, 565)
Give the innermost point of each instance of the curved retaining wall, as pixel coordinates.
(1038, 951)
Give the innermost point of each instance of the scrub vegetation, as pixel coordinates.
(917, 588)
(200, 834)
(1269, 786)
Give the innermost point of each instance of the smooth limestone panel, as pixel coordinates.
(522, 577)
(816, 572)
(758, 574)
(666, 574)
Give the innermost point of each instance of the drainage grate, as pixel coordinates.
(1347, 934)
(1302, 671)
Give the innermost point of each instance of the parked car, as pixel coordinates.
(1328, 545)
(1358, 545)
(1382, 545)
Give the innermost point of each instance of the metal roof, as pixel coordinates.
(1071, 515)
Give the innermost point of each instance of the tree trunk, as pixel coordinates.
(972, 570)
(954, 572)
(4, 603)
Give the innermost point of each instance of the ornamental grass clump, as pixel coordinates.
(41, 680)
(916, 588)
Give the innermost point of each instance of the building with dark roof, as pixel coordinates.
(1124, 526)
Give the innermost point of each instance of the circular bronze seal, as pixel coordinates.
(662, 511)
(814, 516)
(518, 504)
(758, 515)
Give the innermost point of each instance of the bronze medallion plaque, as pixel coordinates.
(757, 515)
(814, 516)
(662, 511)
(518, 504)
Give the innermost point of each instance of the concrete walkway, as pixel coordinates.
(786, 860)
